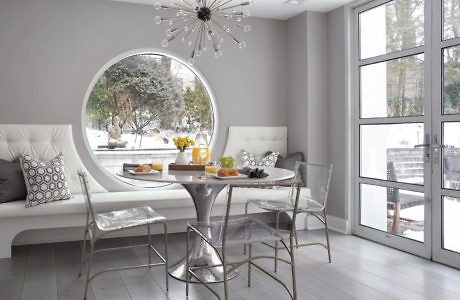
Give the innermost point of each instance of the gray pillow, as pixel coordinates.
(288, 162)
(12, 185)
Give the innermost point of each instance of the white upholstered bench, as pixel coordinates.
(44, 142)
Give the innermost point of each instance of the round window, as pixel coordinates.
(139, 104)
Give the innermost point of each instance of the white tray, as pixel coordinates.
(143, 173)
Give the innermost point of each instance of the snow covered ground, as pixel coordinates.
(100, 138)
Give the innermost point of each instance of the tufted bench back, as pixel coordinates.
(44, 142)
(256, 139)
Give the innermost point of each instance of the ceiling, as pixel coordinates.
(274, 9)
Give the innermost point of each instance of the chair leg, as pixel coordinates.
(224, 265)
(396, 217)
(187, 261)
(83, 251)
(166, 255)
(327, 237)
(89, 269)
(276, 243)
(245, 214)
(149, 244)
(295, 237)
(294, 284)
(249, 265)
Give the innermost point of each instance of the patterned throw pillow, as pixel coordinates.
(45, 182)
(268, 161)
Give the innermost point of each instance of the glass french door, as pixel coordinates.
(407, 126)
(446, 133)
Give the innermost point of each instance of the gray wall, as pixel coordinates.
(317, 96)
(317, 80)
(336, 110)
(297, 81)
(51, 50)
(307, 109)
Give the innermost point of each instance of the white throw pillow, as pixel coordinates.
(45, 182)
(250, 160)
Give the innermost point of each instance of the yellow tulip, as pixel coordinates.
(181, 144)
(193, 142)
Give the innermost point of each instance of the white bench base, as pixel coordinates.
(68, 216)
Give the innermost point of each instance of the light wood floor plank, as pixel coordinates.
(12, 274)
(178, 243)
(438, 275)
(423, 286)
(331, 279)
(108, 285)
(40, 281)
(176, 287)
(69, 285)
(139, 283)
(262, 282)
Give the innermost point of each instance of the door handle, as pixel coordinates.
(426, 150)
(422, 145)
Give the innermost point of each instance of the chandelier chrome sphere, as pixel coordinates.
(195, 21)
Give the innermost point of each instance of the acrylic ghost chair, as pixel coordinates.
(242, 231)
(100, 224)
(315, 180)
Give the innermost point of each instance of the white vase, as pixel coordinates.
(181, 159)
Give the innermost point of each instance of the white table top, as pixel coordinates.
(196, 177)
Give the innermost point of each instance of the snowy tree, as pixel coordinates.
(140, 91)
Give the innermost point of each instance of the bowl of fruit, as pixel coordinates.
(227, 162)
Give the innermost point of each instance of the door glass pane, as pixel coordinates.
(451, 155)
(388, 153)
(451, 19)
(395, 211)
(451, 223)
(394, 26)
(393, 88)
(451, 81)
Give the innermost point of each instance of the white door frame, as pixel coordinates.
(418, 248)
(439, 254)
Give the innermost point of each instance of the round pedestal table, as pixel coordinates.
(204, 192)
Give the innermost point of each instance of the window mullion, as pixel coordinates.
(391, 56)
(450, 43)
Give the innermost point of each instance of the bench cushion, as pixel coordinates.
(157, 199)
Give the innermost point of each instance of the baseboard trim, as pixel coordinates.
(335, 223)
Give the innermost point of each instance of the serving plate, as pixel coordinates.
(143, 173)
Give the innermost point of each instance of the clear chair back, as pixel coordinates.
(87, 194)
(315, 180)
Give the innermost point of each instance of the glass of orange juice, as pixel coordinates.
(210, 169)
(157, 165)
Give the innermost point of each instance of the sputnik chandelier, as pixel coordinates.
(196, 21)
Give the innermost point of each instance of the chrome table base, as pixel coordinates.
(202, 254)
